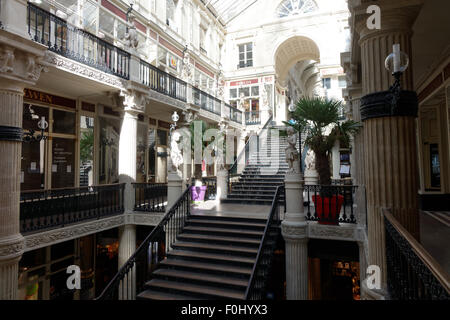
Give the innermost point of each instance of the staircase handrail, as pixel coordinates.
(245, 147)
(113, 285)
(273, 221)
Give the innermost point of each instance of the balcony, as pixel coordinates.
(206, 101)
(162, 82)
(76, 44)
(56, 208)
(233, 113)
(253, 118)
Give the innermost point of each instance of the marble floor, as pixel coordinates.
(215, 208)
(435, 236)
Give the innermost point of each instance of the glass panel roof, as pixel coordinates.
(227, 10)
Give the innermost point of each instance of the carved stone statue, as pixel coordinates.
(264, 98)
(176, 157)
(310, 160)
(292, 156)
(131, 39)
(186, 71)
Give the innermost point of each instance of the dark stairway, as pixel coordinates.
(212, 258)
(256, 184)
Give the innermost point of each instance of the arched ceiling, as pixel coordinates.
(294, 49)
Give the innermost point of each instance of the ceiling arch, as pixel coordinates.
(292, 50)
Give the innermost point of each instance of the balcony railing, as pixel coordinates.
(206, 101)
(329, 204)
(252, 118)
(76, 44)
(412, 274)
(150, 197)
(235, 114)
(162, 82)
(45, 209)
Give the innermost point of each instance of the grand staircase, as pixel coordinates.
(212, 258)
(258, 182)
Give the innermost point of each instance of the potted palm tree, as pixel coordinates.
(319, 118)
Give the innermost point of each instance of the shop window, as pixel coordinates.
(255, 91)
(162, 137)
(244, 91)
(86, 151)
(32, 115)
(342, 82)
(109, 150)
(245, 55)
(63, 122)
(233, 93)
(63, 161)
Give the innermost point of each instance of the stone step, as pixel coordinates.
(209, 257)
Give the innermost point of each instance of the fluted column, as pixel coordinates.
(390, 155)
(11, 241)
(127, 246)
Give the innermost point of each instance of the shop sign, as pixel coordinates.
(243, 82)
(173, 63)
(48, 98)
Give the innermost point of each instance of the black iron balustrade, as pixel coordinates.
(206, 101)
(412, 274)
(150, 197)
(253, 118)
(320, 205)
(76, 44)
(151, 251)
(162, 82)
(235, 114)
(256, 289)
(45, 209)
(211, 187)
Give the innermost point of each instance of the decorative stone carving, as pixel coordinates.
(186, 71)
(11, 248)
(310, 160)
(292, 156)
(189, 117)
(7, 60)
(176, 156)
(292, 231)
(131, 38)
(264, 98)
(327, 232)
(134, 100)
(44, 239)
(147, 219)
(81, 69)
(220, 85)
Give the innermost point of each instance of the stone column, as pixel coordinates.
(127, 246)
(127, 157)
(19, 68)
(294, 231)
(391, 171)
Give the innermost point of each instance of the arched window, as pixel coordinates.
(292, 7)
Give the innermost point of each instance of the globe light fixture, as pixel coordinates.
(175, 118)
(396, 63)
(291, 106)
(42, 125)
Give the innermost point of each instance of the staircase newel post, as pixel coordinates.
(294, 226)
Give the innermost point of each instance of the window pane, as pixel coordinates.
(249, 47)
(255, 91)
(241, 49)
(162, 54)
(342, 82)
(63, 122)
(250, 63)
(32, 176)
(106, 22)
(63, 161)
(86, 151)
(249, 55)
(233, 93)
(30, 111)
(245, 91)
(241, 56)
(90, 17)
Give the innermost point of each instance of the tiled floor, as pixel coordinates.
(435, 236)
(216, 208)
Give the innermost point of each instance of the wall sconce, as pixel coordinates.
(397, 63)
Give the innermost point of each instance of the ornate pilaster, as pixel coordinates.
(19, 67)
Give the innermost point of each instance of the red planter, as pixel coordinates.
(327, 210)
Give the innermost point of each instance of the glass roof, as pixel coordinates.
(227, 10)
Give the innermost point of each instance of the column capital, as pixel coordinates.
(396, 17)
(12, 247)
(134, 100)
(294, 231)
(20, 62)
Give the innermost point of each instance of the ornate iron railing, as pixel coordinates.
(162, 82)
(206, 101)
(76, 44)
(412, 274)
(133, 275)
(253, 117)
(329, 204)
(150, 197)
(44, 209)
(235, 114)
(256, 289)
